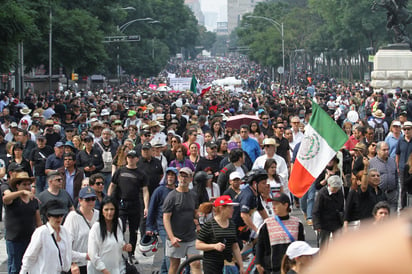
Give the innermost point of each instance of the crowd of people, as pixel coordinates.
(80, 168)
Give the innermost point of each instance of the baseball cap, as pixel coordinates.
(211, 144)
(232, 145)
(396, 123)
(146, 145)
(224, 200)
(87, 192)
(58, 144)
(24, 121)
(300, 248)
(132, 153)
(235, 175)
(186, 170)
(281, 198)
(13, 124)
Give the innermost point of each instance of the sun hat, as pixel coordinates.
(21, 176)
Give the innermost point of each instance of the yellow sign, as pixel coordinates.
(370, 58)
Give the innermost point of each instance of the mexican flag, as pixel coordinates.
(194, 84)
(323, 138)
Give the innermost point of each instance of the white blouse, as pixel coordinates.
(79, 231)
(105, 254)
(42, 255)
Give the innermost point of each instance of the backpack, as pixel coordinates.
(379, 131)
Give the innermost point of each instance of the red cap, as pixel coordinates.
(224, 200)
(24, 121)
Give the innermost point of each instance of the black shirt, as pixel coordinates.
(39, 156)
(130, 182)
(153, 170)
(20, 219)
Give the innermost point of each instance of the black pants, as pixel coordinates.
(130, 214)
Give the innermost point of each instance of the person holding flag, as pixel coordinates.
(323, 138)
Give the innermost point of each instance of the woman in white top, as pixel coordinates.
(50, 248)
(106, 242)
(273, 178)
(79, 222)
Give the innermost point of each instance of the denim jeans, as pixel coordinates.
(15, 252)
(165, 262)
(307, 201)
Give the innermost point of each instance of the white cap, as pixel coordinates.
(235, 175)
(300, 248)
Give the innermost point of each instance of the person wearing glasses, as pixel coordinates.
(55, 191)
(78, 224)
(96, 181)
(283, 148)
(72, 175)
(266, 125)
(388, 173)
(50, 248)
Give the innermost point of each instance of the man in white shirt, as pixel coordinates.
(297, 134)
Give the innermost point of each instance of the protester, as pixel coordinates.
(217, 237)
(106, 242)
(50, 248)
(78, 224)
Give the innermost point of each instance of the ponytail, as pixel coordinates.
(287, 264)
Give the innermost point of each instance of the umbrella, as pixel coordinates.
(238, 120)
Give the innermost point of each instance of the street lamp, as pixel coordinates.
(126, 25)
(122, 28)
(279, 27)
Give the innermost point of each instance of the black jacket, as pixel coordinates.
(327, 211)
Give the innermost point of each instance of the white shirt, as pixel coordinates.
(79, 231)
(42, 255)
(216, 191)
(281, 169)
(105, 254)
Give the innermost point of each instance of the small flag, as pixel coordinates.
(194, 84)
(323, 138)
(204, 91)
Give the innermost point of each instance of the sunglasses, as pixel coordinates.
(90, 199)
(59, 180)
(99, 183)
(56, 216)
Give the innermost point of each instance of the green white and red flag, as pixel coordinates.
(323, 138)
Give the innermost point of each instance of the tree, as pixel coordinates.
(16, 25)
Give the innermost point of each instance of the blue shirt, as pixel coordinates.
(53, 162)
(392, 143)
(403, 149)
(154, 221)
(252, 148)
(69, 182)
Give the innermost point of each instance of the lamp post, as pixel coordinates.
(50, 46)
(122, 28)
(279, 27)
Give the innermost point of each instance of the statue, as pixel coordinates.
(398, 17)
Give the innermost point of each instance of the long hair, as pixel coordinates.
(287, 264)
(102, 221)
(268, 163)
(120, 157)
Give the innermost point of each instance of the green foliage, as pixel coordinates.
(338, 29)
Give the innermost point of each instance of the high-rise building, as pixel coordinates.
(194, 5)
(236, 9)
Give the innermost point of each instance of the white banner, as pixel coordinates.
(181, 84)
